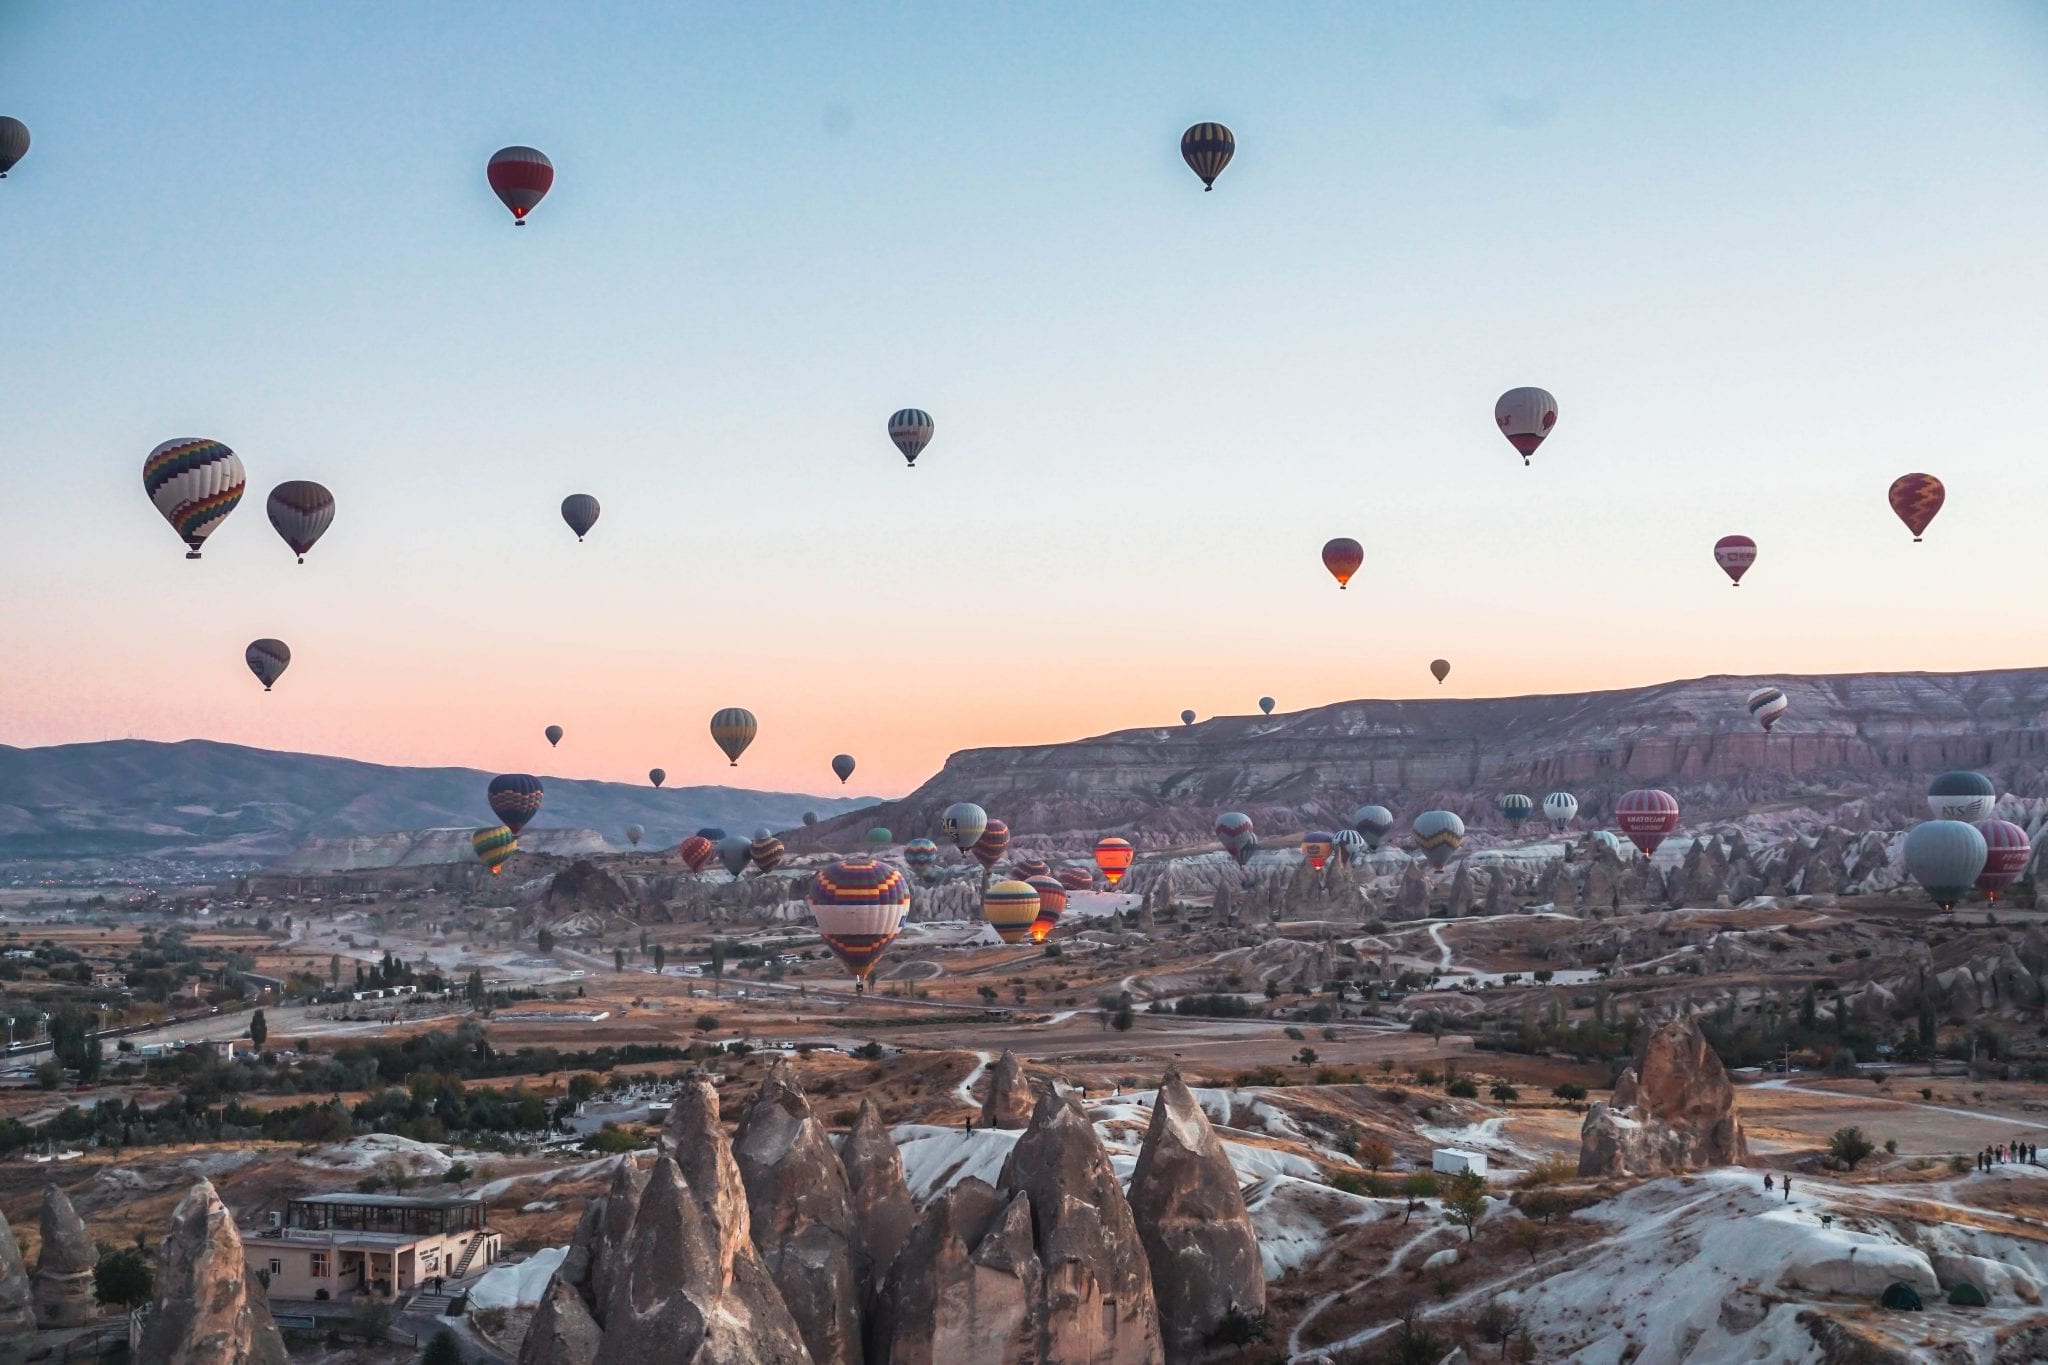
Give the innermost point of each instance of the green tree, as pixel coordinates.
(443, 1349)
(334, 970)
(259, 1029)
(1465, 1201)
(1307, 1056)
(458, 1174)
(1849, 1146)
(1122, 1020)
(988, 994)
(660, 959)
(1571, 1092)
(73, 1045)
(1809, 1007)
(478, 995)
(123, 1278)
(1497, 1325)
(618, 959)
(1503, 1093)
(1417, 1190)
(544, 940)
(1374, 1153)
(1414, 1344)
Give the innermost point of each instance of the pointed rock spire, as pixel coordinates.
(562, 1331)
(1191, 1217)
(943, 1304)
(64, 1261)
(802, 1216)
(615, 1222)
(693, 1136)
(17, 1305)
(1009, 1094)
(882, 1208)
(210, 1309)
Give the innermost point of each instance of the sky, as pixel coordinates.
(1767, 257)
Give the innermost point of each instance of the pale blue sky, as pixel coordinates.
(1768, 257)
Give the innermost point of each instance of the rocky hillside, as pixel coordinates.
(223, 800)
(1871, 740)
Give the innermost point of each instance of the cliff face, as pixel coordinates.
(1870, 737)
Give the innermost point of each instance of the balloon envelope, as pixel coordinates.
(554, 735)
(1373, 824)
(1961, 795)
(1525, 416)
(1515, 808)
(1349, 845)
(2006, 850)
(765, 850)
(1342, 557)
(1077, 878)
(1010, 907)
(859, 905)
(515, 799)
(734, 853)
(194, 484)
(580, 511)
(13, 143)
(1915, 498)
(911, 429)
(1441, 668)
(1735, 554)
(1438, 834)
(300, 511)
(921, 855)
(656, 776)
(1559, 808)
(1113, 856)
(881, 834)
(521, 178)
(732, 729)
(842, 766)
(1030, 869)
(1646, 816)
(994, 841)
(1317, 845)
(962, 824)
(1207, 148)
(267, 659)
(1945, 857)
(1052, 903)
(1266, 705)
(494, 847)
(697, 852)
(1766, 704)
(634, 834)
(1235, 832)
(1187, 718)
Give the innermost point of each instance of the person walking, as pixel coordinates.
(1768, 1186)
(1788, 1189)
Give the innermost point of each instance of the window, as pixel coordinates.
(430, 1259)
(320, 1265)
(276, 1267)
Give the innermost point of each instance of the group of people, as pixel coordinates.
(1998, 1154)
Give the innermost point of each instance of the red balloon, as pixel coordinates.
(2006, 853)
(520, 177)
(1735, 554)
(1916, 498)
(696, 852)
(1646, 816)
(1342, 557)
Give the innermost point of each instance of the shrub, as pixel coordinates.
(1849, 1146)
(1571, 1092)
(1426, 1075)
(1240, 1328)
(443, 1349)
(1374, 1153)
(124, 1278)
(1462, 1089)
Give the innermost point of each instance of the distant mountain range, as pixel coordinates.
(1869, 739)
(200, 799)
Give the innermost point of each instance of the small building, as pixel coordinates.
(1451, 1161)
(334, 1246)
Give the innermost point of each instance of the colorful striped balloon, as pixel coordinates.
(1113, 856)
(766, 850)
(1234, 831)
(515, 799)
(1438, 833)
(696, 852)
(733, 729)
(859, 905)
(1207, 148)
(267, 659)
(1030, 869)
(494, 847)
(1766, 704)
(521, 178)
(921, 855)
(1646, 816)
(1915, 498)
(1317, 845)
(1010, 907)
(194, 483)
(988, 850)
(300, 511)
(1735, 554)
(1052, 903)
(2006, 850)
(1077, 878)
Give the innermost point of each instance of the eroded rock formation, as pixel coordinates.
(64, 1261)
(17, 1303)
(209, 1309)
(882, 1209)
(1008, 1104)
(1672, 1110)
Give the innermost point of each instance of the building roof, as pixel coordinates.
(392, 1201)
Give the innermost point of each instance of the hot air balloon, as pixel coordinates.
(494, 847)
(1010, 907)
(554, 735)
(1234, 831)
(859, 905)
(921, 854)
(1029, 869)
(2006, 850)
(988, 850)
(1515, 808)
(1646, 816)
(1766, 704)
(766, 850)
(13, 144)
(842, 766)
(1441, 668)
(734, 853)
(515, 799)
(1438, 834)
(1525, 416)
(1317, 845)
(1349, 846)
(1946, 857)
(810, 817)
(712, 832)
(1113, 856)
(881, 836)
(733, 730)
(1052, 903)
(1373, 824)
(657, 776)
(194, 483)
(1559, 808)
(696, 852)
(521, 178)
(1916, 498)
(911, 429)
(1074, 877)
(1735, 554)
(1962, 796)
(634, 834)
(300, 511)
(580, 511)
(1207, 148)
(1342, 557)
(1266, 705)
(1187, 718)
(267, 659)
(962, 824)
(1607, 840)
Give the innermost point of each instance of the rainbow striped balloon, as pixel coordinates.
(1052, 903)
(494, 847)
(859, 905)
(194, 483)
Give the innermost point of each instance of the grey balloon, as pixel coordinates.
(13, 143)
(1372, 822)
(580, 511)
(1961, 795)
(1945, 856)
(734, 853)
(1266, 705)
(634, 834)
